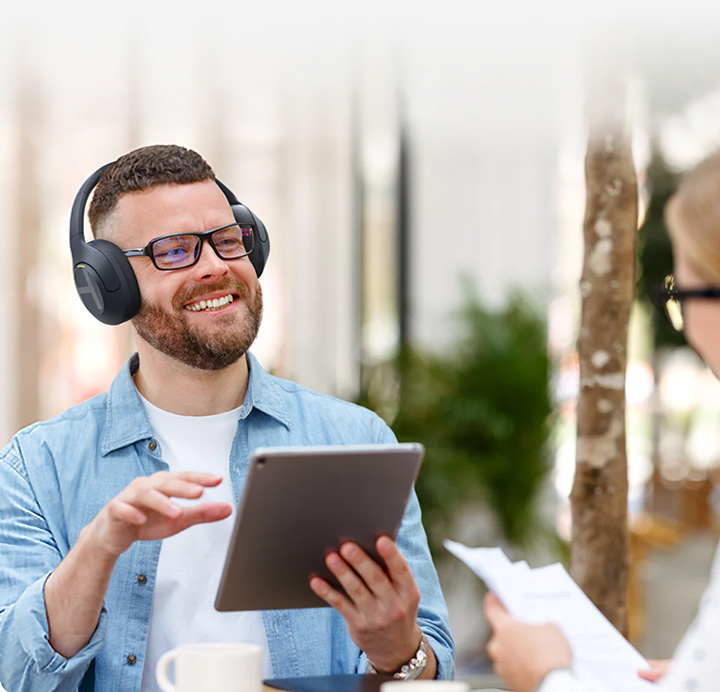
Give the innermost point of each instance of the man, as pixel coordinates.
(108, 557)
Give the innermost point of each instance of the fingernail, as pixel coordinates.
(174, 508)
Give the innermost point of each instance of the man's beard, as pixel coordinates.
(172, 334)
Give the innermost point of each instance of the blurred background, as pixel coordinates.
(419, 168)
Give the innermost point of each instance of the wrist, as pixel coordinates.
(91, 540)
(410, 668)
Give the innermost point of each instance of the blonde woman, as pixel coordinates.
(538, 657)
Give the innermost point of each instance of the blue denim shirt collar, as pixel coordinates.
(127, 423)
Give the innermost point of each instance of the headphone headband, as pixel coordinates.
(77, 215)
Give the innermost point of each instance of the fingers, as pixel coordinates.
(208, 480)
(370, 578)
(176, 487)
(492, 649)
(205, 513)
(154, 492)
(658, 668)
(332, 597)
(366, 582)
(358, 592)
(154, 500)
(124, 512)
(398, 569)
(397, 580)
(495, 612)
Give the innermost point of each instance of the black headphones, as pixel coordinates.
(104, 279)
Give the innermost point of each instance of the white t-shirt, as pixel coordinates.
(191, 562)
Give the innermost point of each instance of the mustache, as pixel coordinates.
(189, 293)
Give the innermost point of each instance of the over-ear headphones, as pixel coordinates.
(104, 279)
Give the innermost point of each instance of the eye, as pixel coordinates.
(174, 250)
(232, 242)
(172, 254)
(228, 242)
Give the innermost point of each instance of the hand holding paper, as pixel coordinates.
(549, 595)
(523, 654)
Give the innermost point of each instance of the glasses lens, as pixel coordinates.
(176, 251)
(234, 241)
(673, 310)
(672, 306)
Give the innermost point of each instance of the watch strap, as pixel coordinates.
(414, 668)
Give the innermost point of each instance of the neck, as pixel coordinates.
(187, 391)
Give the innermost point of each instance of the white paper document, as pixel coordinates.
(548, 594)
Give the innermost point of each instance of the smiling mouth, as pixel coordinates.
(210, 305)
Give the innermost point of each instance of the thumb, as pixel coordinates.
(495, 611)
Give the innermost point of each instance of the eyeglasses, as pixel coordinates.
(669, 299)
(183, 249)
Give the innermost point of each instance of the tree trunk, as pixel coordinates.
(599, 495)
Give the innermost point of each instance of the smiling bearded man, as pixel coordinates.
(99, 576)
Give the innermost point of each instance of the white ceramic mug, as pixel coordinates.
(212, 668)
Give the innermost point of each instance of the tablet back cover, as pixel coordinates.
(301, 503)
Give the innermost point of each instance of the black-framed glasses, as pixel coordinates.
(669, 299)
(182, 250)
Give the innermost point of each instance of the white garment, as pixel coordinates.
(191, 562)
(696, 663)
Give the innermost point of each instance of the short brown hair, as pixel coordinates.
(692, 216)
(140, 169)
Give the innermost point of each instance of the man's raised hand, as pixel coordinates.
(145, 511)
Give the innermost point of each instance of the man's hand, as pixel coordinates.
(380, 608)
(144, 510)
(523, 654)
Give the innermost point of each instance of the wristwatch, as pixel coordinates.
(411, 670)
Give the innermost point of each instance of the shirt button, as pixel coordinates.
(132, 659)
(141, 579)
(152, 445)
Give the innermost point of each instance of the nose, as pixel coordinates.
(209, 266)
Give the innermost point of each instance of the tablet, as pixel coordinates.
(299, 504)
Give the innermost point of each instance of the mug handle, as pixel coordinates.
(161, 671)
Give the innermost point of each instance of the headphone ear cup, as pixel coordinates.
(260, 252)
(106, 282)
(259, 255)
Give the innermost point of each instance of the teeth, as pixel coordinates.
(214, 304)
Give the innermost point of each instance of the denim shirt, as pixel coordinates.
(56, 475)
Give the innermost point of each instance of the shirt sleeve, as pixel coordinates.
(432, 611)
(29, 554)
(696, 665)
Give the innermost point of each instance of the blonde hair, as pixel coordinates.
(692, 216)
